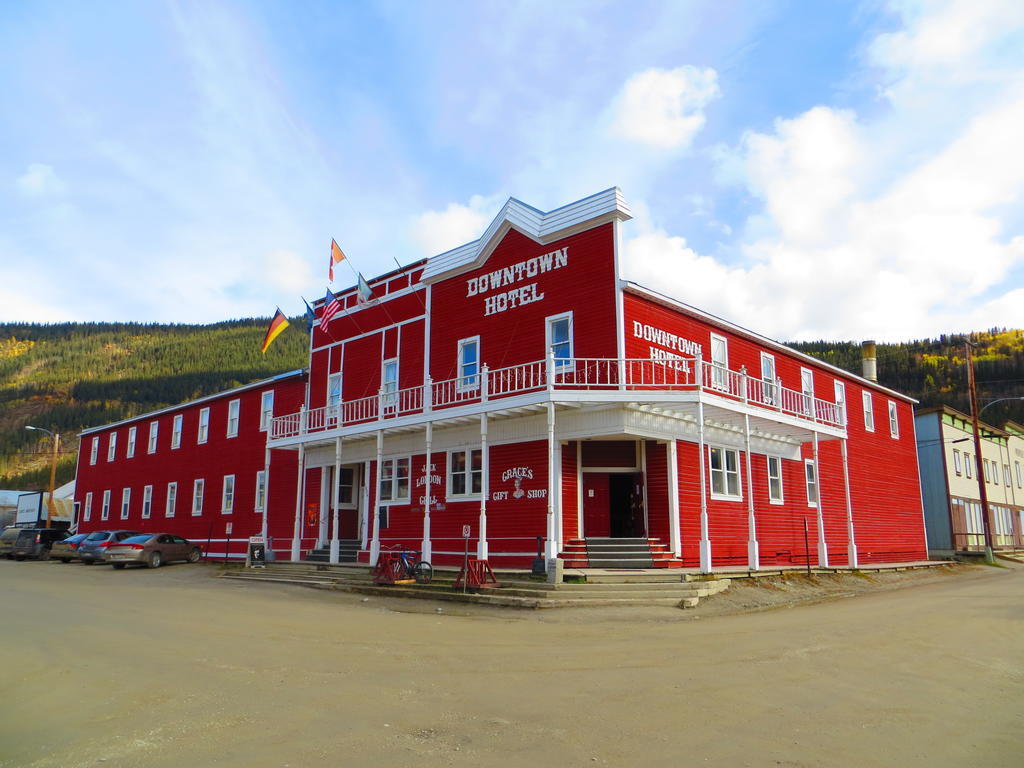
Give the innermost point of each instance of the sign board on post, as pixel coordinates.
(465, 531)
(256, 555)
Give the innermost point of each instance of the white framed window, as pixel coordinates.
(988, 472)
(840, 392)
(88, 507)
(1020, 477)
(266, 409)
(234, 407)
(261, 490)
(465, 473)
(176, 431)
(94, 450)
(334, 393)
(171, 505)
(204, 425)
(995, 472)
(807, 391)
(227, 498)
(126, 503)
(972, 518)
(469, 365)
(775, 480)
(347, 488)
(769, 379)
(968, 465)
(894, 422)
(394, 480)
(147, 502)
(869, 412)
(197, 496)
(725, 473)
(811, 476)
(1006, 475)
(130, 451)
(389, 383)
(558, 340)
(719, 361)
(957, 466)
(111, 446)
(154, 431)
(105, 509)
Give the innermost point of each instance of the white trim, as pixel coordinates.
(807, 484)
(126, 503)
(782, 489)
(111, 447)
(105, 507)
(469, 495)
(147, 502)
(227, 506)
(87, 512)
(132, 442)
(868, 406)
(198, 493)
(172, 493)
(94, 451)
(719, 369)
(261, 490)
(725, 473)
(572, 343)
(203, 428)
(237, 405)
(839, 396)
(398, 501)
(264, 420)
(460, 379)
(894, 420)
(153, 442)
(177, 425)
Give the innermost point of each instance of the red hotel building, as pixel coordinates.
(516, 387)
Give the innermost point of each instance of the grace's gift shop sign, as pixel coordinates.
(520, 295)
(517, 475)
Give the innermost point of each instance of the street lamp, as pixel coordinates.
(53, 467)
(1000, 400)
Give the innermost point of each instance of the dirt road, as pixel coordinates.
(172, 667)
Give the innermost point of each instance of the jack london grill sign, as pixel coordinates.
(516, 273)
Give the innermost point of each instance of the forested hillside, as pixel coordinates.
(70, 376)
(66, 377)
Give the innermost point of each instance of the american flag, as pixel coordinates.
(331, 307)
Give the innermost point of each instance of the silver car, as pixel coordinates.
(152, 550)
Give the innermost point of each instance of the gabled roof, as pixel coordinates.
(543, 227)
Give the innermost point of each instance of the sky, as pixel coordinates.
(839, 170)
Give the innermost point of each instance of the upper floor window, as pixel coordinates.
(1006, 475)
(94, 450)
(725, 472)
(1020, 478)
(176, 431)
(769, 379)
(334, 390)
(112, 446)
(233, 408)
(811, 475)
(389, 382)
(957, 467)
(154, 430)
(988, 472)
(559, 340)
(266, 409)
(807, 390)
(968, 465)
(204, 425)
(775, 480)
(719, 362)
(465, 473)
(469, 364)
(131, 441)
(840, 390)
(894, 422)
(869, 412)
(394, 479)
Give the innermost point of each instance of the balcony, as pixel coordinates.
(578, 379)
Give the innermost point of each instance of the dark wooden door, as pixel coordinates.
(596, 506)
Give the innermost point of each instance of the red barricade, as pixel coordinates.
(476, 575)
(390, 571)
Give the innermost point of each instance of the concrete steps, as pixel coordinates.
(348, 551)
(618, 553)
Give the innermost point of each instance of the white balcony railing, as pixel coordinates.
(573, 374)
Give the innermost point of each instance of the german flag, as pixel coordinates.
(278, 324)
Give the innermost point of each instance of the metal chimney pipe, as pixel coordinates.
(868, 361)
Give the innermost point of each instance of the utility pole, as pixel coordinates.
(983, 492)
(55, 438)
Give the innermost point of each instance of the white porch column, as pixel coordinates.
(851, 549)
(822, 546)
(266, 496)
(551, 549)
(705, 540)
(753, 551)
(364, 517)
(375, 542)
(299, 487)
(674, 534)
(425, 548)
(485, 467)
(323, 520)
(335, 500)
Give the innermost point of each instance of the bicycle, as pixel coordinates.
(400, 566)
(419, 570)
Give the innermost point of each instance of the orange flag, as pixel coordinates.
(336, 256)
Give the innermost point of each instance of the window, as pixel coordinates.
(558, 338)
(768, 377)
(112, 446)
(334, 393)
(725, 472)
(233, 409)
(88, 506)
(465, 470)
(968, 465)
(105, 509)
(894, 422)
(204, 425)
(131, 441)
(1006, 475)
(807, 389)
(172, 500)
(394, 479)
(869, 412)
(956, 462)
(126, 501)
(154, 429)
(197, 497)
(840, 390)
(94, 450)
(719, 362)
(775, 480)
(147, 502)
(261, 490)
(995, 473)
(389, 382)
(227, 499)
(469, 365)
(347, 488)
(1020, 479)
(176, 431)
(811, 473)
(266, 410)
(988, 472)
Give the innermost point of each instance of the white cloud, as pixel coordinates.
(664, 109)
(40, 180)
(435, 232)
